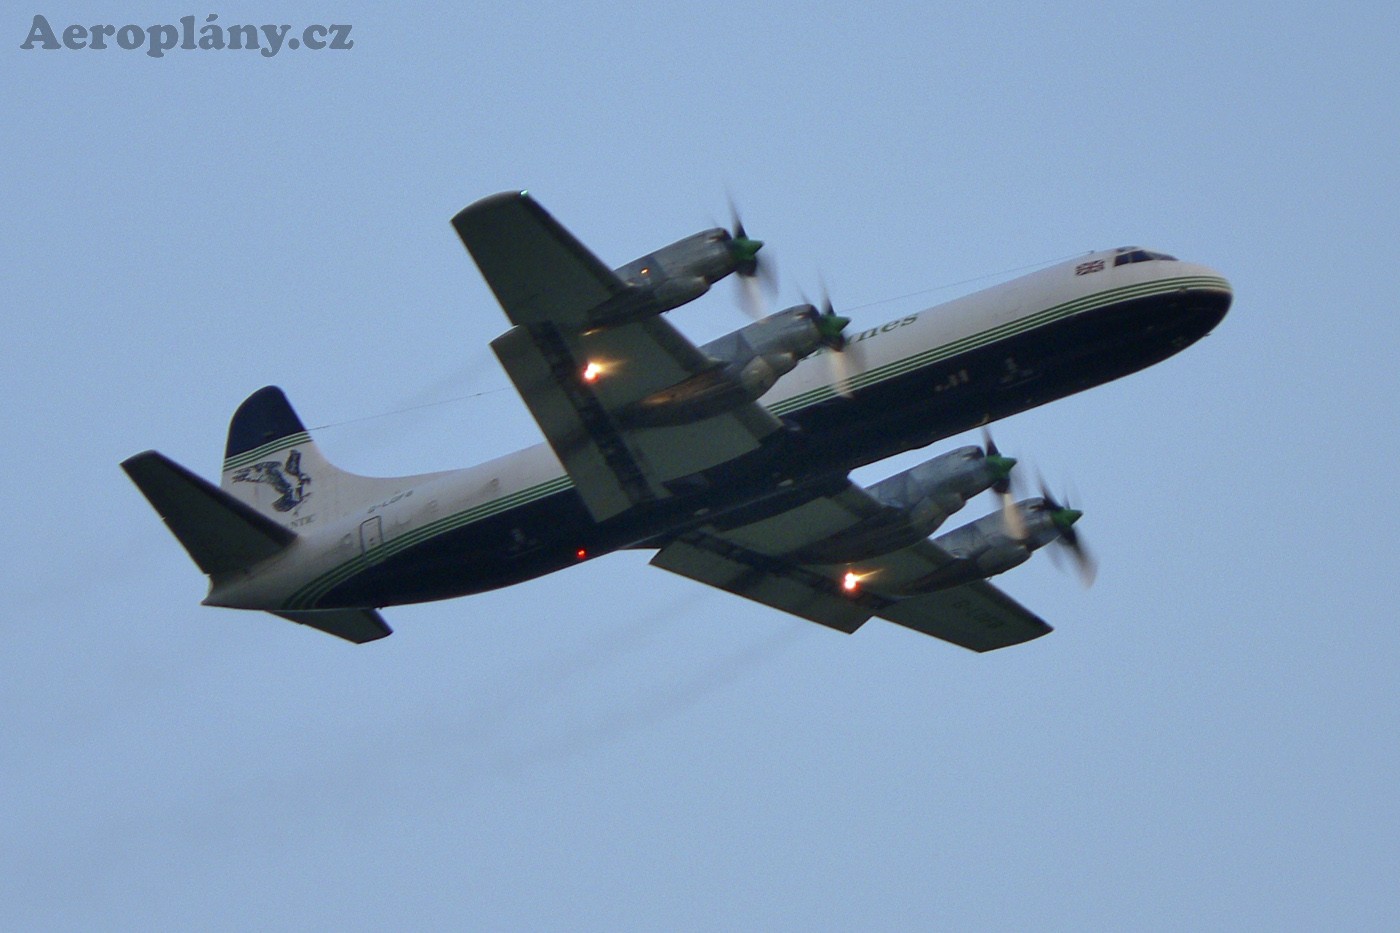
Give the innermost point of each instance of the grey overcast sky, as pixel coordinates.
(1208, 740)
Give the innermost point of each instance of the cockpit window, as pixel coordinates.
(1131, 254)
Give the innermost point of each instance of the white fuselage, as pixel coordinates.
(367, 520)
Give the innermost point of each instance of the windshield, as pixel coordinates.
(1131, 254)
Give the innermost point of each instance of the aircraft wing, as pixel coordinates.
(539, 272)
(570, 310)
(757, 560)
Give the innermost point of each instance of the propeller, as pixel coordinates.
(1064, 517)
(758, 281)
(1061, 516)
(1000, 466)
(831, 326)
(1001, 469)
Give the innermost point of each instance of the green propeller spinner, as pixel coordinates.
(998, 465)
(744, 250)
(830, 325)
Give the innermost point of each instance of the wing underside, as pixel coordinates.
(761, 561)
(570, 311)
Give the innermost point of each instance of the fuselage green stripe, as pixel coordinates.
(1009, 329)
(308, 594)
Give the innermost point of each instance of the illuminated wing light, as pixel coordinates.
(592, 371)
(851, 581)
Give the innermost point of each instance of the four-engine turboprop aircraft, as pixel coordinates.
(729, 460)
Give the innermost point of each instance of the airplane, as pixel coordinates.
(729, 460)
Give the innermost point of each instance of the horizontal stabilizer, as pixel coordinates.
(221, 534)
(357, 625)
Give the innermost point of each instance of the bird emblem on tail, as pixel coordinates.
(287, 479)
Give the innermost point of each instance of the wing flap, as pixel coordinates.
(607, 472)
(781, 586)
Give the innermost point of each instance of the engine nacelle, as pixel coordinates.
(748, 363)
(988, 547)
(683, 271)
(759, 354)
(937, 488)
(917, 502)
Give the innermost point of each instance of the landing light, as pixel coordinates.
(850, 582)
(592, 371)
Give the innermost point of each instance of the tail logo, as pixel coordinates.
(287, 479)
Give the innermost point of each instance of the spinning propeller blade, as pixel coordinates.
(1064, 517)
(832, 328)
(1001, 469)
(758, 281)
(831, 324)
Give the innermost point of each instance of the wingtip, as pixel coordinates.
(136, 459)
(462, 219)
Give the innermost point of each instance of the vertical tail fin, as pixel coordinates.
(272, 464)
(274, 479)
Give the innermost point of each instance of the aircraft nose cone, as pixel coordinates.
(1224, 296)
